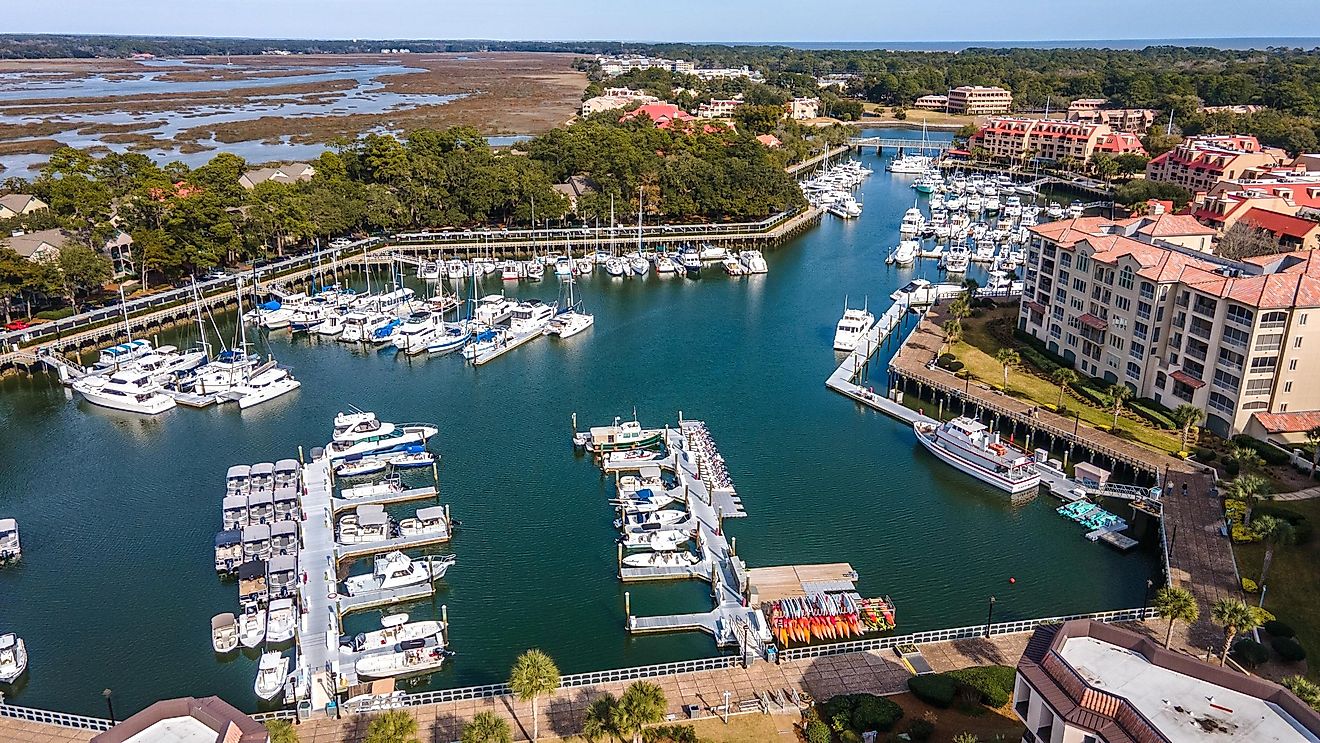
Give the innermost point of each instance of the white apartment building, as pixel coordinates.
(1138, 302)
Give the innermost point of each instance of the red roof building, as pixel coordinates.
(1291, 231)
(1198, 163)
(1012, 138)
(663, 115)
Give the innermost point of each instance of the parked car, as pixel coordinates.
(18, 325)
(340, 242)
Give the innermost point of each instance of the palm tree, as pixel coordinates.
(281, 731)
(1247, 458)
(1313, 437)
(1186, 417)
(1273, 532)
(1063, 377)
(394, 726)
(952, 331)
(532, 675)
(960, 307)
(1007, 357)
(600, 719)
(1249, 489)
(1176, 605)
(486, 727)
(1235, 617)
(1118, 394)
(643, 703)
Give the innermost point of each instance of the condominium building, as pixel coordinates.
(1010, 138)
(718, 108)
(1137, 301)
(980, 99)
(1093, 111)
(803, 108)
(615, 98)
(615, 66)
(1088, 682)
(1198, 163)
(932, 102)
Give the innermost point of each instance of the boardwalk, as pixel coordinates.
(1200, 557)
(319, 631)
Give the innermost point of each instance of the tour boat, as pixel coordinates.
(408, 658)
(13, 657)
(969, 446)
(754, 261)
(263, 387)
(660, 560)
(224, 633)
(281, 622)
(395, 629)
(128, 390)
(10, 548)
(623, 436)
(852, 327)
(397, 570)
(272, 671)
(252, 626)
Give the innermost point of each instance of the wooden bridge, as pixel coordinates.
(890, 143)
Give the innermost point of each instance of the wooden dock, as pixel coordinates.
(403, 496)
(366, 549)
(793, 581)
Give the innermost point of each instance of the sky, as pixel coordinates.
(674, 20)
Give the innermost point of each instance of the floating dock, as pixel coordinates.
(844, 378)
(794, 581)
(403, 496)
(366, 549)
(320, 629)
(512, 343)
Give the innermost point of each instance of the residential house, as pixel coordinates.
(1137, 301)
(1292, 231)
(769, 140)
(18, 204)
(1198, 163)
(1011, 138)
(39, 246)
(978, 100)
(119, 249)
(573, 189)
(719, 108)
(663, 115)
(1087, 682)
(289, 173)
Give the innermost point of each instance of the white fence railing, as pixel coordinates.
(62, 719)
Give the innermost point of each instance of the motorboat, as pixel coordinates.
(535, 270)
(754, 261)
(651, 520)
(413, 455)
(456, 269)
(224, 633)
(584, 265)
(664, 540)
(733, 266)
(920, 292)
(623, 437)
(333, 325)
(361, 433)
(690, 260)
(359, 327)
(368, 523)
(1075, 209)
(112, 358)
(13, 657)
(391, 485)
(10, 547)
(906, 252)
(660, 560)
(281, 622)
(957, 258)
(509, 271)
(665, 266)
(614, 266)
(263, 387)
(969, 446)
(397, 570)
(167, 364)
(845, 207)
(530, 316)
(493, 309)
(229, 547)
(252, 626)
(852, 327)
(428, 270)
(385, 334)
(272, 671)
(563, 267)
(128, 390)
(414, 332)
(431, 520)
(910, 164)
(395, 629)
(407, 658)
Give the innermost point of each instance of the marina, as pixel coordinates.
(745, 354)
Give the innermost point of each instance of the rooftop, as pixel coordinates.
(175, 730)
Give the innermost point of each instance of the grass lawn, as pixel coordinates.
(754, 728)
(986, 724)
(977, 352)
(1293, 582)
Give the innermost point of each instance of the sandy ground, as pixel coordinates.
(505, 93)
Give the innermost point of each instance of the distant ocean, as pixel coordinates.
(1298, 42)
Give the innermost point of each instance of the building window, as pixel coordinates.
(1070, 339)
(1076, 303)
(1138, 351)
(1264, 363)
(1123, 304)
(1147, 290)
(1287, 386)
(1126, 278)
(1258, 386)
(1227, 381)
(1292, 365)
(1205, 306)
(1116, 342)
(1160, 379)
(1065, 259)
(1301, 319)
(1083, 261)
(1297, 342)
(1256, 405)
(1143, 310)
(1134, 370)
(1240, 315)
(1079, 285)
(1230, 358)
(1221, 403)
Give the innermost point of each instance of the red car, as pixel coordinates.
(18, 325)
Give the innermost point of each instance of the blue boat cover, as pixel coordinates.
(645, 494)
(271, 305)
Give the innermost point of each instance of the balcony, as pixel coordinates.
(1199, 330)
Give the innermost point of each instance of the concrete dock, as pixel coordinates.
(845, 376)
(319, 630)
(500, 350)
(403, 496)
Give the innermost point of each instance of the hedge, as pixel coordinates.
(1278, 629)
(1147, 409)
(670, 734)
(1249, 653)
(1094, 396)
(1289, 649)
(934, 689)
(59, 314)
(994, 684)
(1204, 455)
(1271, 454)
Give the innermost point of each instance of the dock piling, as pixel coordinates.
(627, 603)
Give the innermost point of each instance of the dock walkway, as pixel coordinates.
(403, 496)
(319, 631)
(366, 549)
(503, 348)
(845, 376)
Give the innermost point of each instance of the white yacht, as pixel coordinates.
(969, 446)
(665, 266)
(272, 672)
(852, 327)
(614, 266)
(224, 633)
(397, 570)
(167, 364)
(910, 164)
(361, 433)
(661, 540)
(407, 658)
(754, 261)
(449, 337)
(660, 560)
(10, 548)
(690, 260)
(263, 387)
(116, 356)
(128, 390)
(493, 309)
(509, 271)
(482, 341)
(912, 222)
(845, 207)
(920, 292)
(530, 316)
(957, 258)
(252, 626)
(416, 332)
(13, 657)
(332, 325)
(572, 319)
(281, 621)
(395, 629)
(906, 252)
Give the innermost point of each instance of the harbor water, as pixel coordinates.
(116, 586)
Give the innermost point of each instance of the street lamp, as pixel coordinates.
(110, 707)
(1145, 601)
(989, 616)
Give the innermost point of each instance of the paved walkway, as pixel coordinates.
(22, 731)
(1200, 558)
(1306, 494)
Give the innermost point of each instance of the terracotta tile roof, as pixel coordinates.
(1288, 422)
(1034, 306)
(1091, 321)
(1279, 223)
(1187, 379)
(1173, 225)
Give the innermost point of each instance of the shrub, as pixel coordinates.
(919, 730)
(1204, 454)
(59, 314)
(934, 689)
(1244, 534)
(1249, 653)
(282, 731)
(875, 713)
(1231, 467)
(1147, 409)
(1278, 629)
(818, 732)
(1271, 454)
(670, 734)
(993, 684)
(1235, 509)
(1289, 649)
(1092, 395)
(1249, 585)
(848, 736)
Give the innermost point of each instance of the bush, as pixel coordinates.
(1278, 629)
(993, 684)
(1235, 509)
(1231, 467)
(875, 713)
(1289, 649)
(1301, 526)
(1244, 534)
(1204, 455)
(1249, 585)
(919, 730)
(1271, 454)
(818, 732)
(934, 689)
(56, 314)
(1249, 653)
(1149, 410)
(1092, 395)
(670, 734)
(281, 731)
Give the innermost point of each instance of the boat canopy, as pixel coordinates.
(372, 515)
(285, 494)
(228, 538)
(261, 498)
(283, 564)
(8, 525)
(281, 604)
(221, 621)
(283, 529)
(263, 469)
(239, 472)
(252, 570)
(271, 305)
(8, 640)
(650, 472)
(431, 513)
(286, 465)
(256, 533)
(235, 502)
(645, 494)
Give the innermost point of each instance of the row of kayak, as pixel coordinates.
(827, 616)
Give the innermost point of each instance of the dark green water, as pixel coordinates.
(116, 586)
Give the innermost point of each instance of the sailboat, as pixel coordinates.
(260, 384)
(571, 320)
